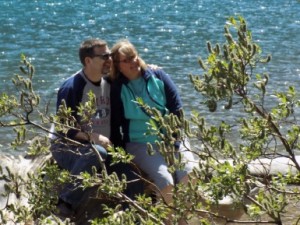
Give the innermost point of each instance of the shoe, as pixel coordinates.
(64, 209)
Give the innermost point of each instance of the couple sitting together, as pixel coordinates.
(117, 77)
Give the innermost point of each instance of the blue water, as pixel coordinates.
(171, 34)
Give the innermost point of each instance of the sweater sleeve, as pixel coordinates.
(174, 103)
(71, 92)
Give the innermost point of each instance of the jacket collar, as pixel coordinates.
(146, 74)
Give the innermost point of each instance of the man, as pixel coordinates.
(95, 57)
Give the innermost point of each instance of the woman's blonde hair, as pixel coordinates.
(126, 48)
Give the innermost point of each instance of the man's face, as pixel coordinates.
(101, 61)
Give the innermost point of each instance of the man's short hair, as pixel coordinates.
(87, 48)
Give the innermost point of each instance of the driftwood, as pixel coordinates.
(91, 206)
(19, 166)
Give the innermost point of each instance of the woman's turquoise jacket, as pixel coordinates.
(156, 89)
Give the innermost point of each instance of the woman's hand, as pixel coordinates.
(154, 67)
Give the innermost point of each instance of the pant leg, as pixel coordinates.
(76, 160)
(88, 159)
(135, 186)
(187, 158)
(154, 166)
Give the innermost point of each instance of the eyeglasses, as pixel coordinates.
(129, 59)
(104, 56)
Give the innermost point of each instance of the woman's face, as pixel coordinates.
(129, 66)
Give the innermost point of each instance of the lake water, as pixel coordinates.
(171, 34)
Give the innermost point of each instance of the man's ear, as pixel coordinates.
(87, 60)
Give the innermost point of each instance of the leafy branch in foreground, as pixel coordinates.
(267, 130)
(21, 110)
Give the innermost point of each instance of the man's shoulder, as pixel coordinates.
(73, 81)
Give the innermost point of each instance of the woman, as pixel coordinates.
(134, 79)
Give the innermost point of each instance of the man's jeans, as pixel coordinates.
(76, 160)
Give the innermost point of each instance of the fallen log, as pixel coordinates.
(265, 166)
(19, 166)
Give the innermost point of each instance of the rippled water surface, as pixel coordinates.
(171, 34)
